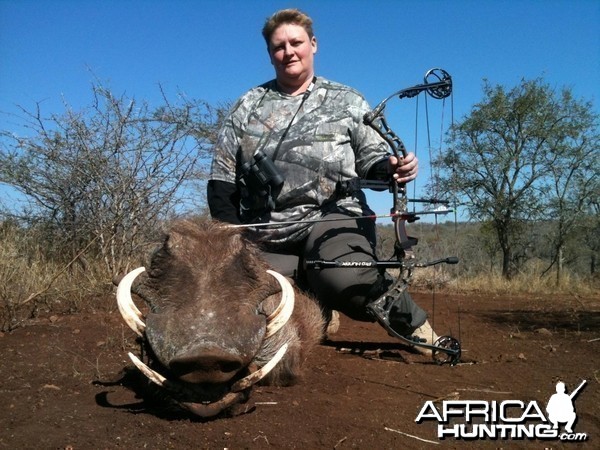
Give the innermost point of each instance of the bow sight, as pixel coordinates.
(446, 349)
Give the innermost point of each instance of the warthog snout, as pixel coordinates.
(206, 365)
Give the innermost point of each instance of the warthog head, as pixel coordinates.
(218, 320)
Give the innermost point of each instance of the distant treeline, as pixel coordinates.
(477, 248)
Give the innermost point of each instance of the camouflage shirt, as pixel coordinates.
(317, 140)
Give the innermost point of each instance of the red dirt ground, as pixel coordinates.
(60, 382)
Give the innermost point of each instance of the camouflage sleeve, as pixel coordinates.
(229, 137)
(369, 147)
(224, 152)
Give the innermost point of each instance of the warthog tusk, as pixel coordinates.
(283, 312)
(131, 314)
(200, 409)
(255, 377)
(212, 409)
(151, 374)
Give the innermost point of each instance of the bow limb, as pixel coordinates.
(438, 84)
(404, 243)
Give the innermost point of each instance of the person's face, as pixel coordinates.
(292, 54)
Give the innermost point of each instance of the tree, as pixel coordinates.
(501, 154)
(571, 183)
(103, 178)
(591, 228)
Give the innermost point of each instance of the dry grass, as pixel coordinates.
(34, 284)
(526, 282)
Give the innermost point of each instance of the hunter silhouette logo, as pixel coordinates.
(560, 407)
(506, 419)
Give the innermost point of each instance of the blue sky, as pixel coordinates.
(53, 50)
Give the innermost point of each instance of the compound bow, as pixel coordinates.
(446, 349)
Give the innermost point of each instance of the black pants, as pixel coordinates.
(347, 290)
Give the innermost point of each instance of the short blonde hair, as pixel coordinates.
(287, 16)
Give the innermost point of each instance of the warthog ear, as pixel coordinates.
(237, 245)
(173, 242)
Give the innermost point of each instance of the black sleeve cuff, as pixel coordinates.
(223, 201)
(379, 171)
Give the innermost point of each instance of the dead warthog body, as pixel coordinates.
(219, 321)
